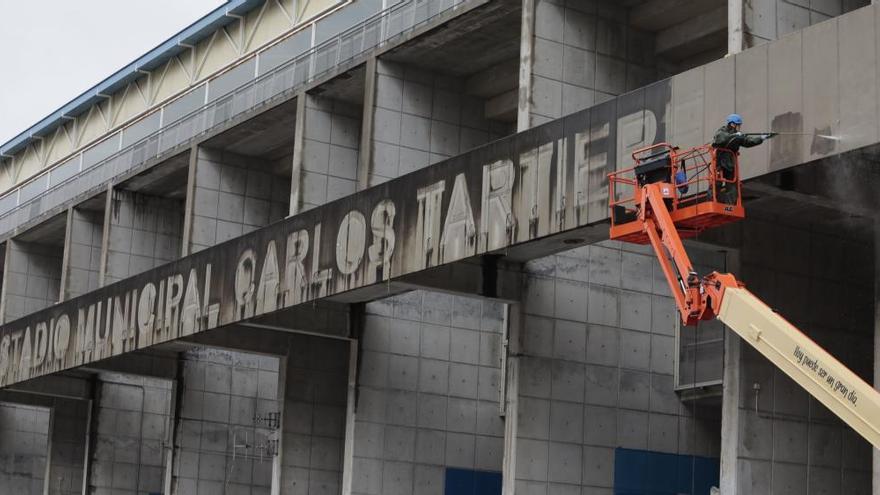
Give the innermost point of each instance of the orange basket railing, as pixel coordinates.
(694, 174)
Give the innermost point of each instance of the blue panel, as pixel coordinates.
(642, 472)
(487, 482)
(468, 482)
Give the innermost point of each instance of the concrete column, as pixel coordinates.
(511, 350)
(65, 257)
(348, 453)
(105, 238)
(730, 400)
(734, 26)
(876, 453)
(365, 161)
(298, 153)
(527, 55)
(190, 199)
(278, 461)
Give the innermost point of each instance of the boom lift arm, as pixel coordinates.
(661, 211)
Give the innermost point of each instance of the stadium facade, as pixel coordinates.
(361, 247)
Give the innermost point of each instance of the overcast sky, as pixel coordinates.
(51, 51)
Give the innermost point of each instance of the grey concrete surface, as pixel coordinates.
(24, 447)
(787, 440)
(129, 438)
(428, 392)
(422, 118)
(583, 53)
(313, 425)
(596, 371)
(235, 194)
(222, 438)
(145, 231)
(330, 150)
(33, 278)
(84, 250)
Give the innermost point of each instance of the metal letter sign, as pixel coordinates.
(520, 189)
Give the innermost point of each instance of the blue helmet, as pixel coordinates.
(734, 118)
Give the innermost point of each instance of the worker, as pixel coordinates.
(727, 141)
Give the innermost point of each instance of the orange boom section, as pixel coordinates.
(699, 194)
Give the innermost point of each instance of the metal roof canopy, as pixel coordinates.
(195, 32)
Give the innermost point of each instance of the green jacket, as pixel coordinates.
(728, 139)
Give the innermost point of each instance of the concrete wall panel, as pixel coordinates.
(24, 445)
(632, 128)
(786, 100)
(84, 256)
(821, 104)
(858, 79)
(751, 103)
(720, 95)
(688, 102)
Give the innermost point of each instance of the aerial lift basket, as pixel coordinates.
(698, 193)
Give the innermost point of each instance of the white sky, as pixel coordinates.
(51, 51)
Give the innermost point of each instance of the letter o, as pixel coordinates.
(351, 240)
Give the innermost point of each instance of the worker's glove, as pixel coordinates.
(738, 134)
(768, 135)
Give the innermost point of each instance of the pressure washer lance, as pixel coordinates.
(772, 134)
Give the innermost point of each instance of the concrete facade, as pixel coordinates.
(129, 443)
(596, 372)
(422, 118)
(787, 440)
(314, 415)
(331, 138)
(583, 53)
(233, 195)
(145, 231)
(24, 441)
(428, 393)
(421, 387)
(33, 277)
(220, 445)
(86, 251)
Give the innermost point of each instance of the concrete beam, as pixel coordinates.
(694, 35)
(60, 385)
(656, 15)
(487, 277)
(503, 107)
(495, 80)
(254, 338)
(152, 363)
(810, 199)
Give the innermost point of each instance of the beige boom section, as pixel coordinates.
(824, 377)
